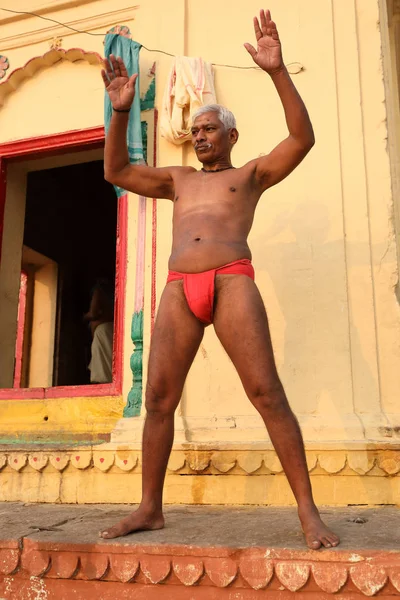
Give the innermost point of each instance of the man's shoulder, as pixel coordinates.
(246, 171)
(250, 165)
(248, 175)
(173, 169)
(182, 170)
(178, 172)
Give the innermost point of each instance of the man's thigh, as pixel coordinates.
(176, 338)
(241, 323)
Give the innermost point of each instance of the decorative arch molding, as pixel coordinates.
(50, 58)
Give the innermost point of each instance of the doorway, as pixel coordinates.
(71, 218)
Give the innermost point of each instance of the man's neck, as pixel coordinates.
(221, 165)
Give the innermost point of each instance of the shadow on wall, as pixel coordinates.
(309, 279)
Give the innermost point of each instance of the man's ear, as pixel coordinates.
(233, 136)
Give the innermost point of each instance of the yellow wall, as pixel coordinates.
(323, 241)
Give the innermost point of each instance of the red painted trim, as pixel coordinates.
(19, 345)
(54, 144)
(120, 291)
(22, 394)
(72, 391)
(70, 140)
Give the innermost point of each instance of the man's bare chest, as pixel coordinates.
(225, 188)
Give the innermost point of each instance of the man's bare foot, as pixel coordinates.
(140, 520)
(315, 531)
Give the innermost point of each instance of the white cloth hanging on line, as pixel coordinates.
(190, 85)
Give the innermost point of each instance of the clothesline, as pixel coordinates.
(22, 12)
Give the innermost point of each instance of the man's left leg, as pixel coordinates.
(240, 322)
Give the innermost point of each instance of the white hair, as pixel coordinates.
(225, 116)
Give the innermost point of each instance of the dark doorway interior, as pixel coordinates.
(71, 217)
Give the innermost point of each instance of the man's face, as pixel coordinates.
(210, 139)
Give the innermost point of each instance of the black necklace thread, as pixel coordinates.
(216, 170)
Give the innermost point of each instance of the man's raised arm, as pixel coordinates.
(290, 152)
(140, 179)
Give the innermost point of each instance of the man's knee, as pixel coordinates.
(269, 396)
(160, 401)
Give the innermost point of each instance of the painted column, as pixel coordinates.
(134, 402)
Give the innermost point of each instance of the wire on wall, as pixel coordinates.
(23, 12)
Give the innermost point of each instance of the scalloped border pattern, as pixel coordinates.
(364, 574)
(235, 462)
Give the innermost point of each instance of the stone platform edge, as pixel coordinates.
(340, 477)
(371, 460)
(365, 573)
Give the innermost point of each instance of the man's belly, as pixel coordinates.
(201, 255)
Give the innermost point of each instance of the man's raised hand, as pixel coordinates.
(120, 87)
(268, 55)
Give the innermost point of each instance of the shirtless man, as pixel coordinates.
(211, 277)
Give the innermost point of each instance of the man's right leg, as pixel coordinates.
(174, 344)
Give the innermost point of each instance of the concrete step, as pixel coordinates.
(53, 552)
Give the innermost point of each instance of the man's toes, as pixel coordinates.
(334, 540)
(106, 535)
(326, 542)
(314, 544)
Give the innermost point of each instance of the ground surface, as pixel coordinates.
(202, 526)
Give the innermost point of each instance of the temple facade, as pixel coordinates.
(325, 249)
